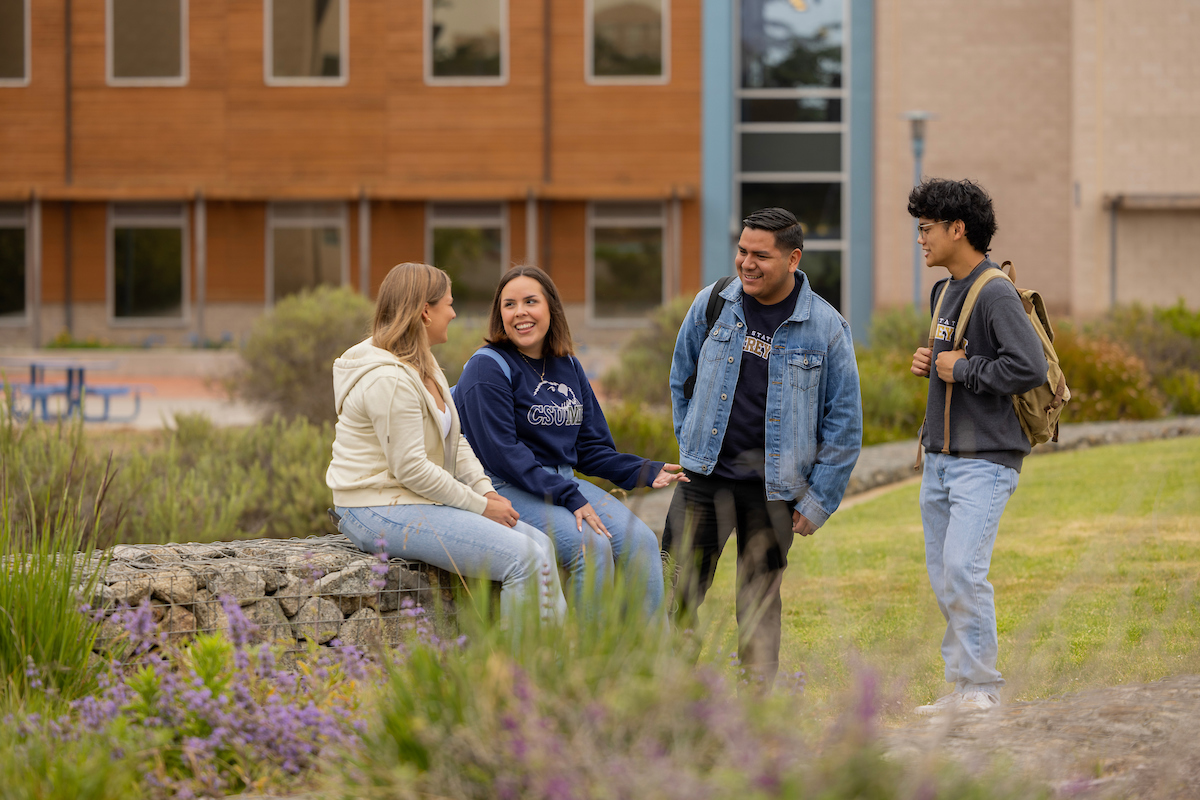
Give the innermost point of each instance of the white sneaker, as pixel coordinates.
(978, 701)
(941, 705)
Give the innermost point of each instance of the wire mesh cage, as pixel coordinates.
(294, 591)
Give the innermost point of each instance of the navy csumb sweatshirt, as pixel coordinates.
(517, 427)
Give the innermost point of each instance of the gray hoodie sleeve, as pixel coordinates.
(1017, 363)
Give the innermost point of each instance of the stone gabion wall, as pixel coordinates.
(321, 589)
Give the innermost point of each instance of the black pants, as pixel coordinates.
(703, 513)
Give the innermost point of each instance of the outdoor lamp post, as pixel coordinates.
(918, 120)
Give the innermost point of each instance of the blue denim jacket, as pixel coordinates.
(814, 409)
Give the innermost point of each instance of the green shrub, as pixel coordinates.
(196, 483)
(465, 337)
(1182, 389)
(643, 373)
(644, 430)
(290, 351)
(900, 330)
(1107, 380)
(1168, 341)
(893, 399)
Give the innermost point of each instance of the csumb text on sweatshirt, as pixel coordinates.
(516, 427)
(1003, 357)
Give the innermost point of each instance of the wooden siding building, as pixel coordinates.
(271, 145)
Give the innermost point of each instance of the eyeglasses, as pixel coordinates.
(924, 229)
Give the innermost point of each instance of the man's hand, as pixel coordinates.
(801, 525)
(922, 361)
(945, 363)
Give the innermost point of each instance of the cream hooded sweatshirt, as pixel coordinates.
(388, 447)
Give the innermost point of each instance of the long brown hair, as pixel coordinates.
(558, 336)
(398, 327)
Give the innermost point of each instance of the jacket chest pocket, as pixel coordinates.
(716, 345)
(804, 368)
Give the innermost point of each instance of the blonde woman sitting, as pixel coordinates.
(404, 479)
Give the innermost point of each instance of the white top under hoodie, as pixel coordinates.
(388, 447)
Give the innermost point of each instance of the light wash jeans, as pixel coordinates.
(471, 545)
(633, 545)
(961, 503)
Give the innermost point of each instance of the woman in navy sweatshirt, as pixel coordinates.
(529, 413)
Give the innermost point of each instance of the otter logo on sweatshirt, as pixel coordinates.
(565, 411)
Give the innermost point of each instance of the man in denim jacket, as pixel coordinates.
(770, 433)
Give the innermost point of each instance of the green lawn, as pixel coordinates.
(1095, 574)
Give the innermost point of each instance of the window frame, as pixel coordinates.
(843, 243)
(501, 220)
(11, 222)
(184, 54)
(340, 220)
(343, 50)
(427, 54)
(589, 44)
(165, 220)
(663, 224)
(22, 82)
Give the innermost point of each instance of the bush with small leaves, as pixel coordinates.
(288, 358)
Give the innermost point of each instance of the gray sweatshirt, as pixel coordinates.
(1004, 357)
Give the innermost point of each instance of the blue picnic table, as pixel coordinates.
(74, 389)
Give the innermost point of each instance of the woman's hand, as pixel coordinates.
(500, 510)
(588, 514)
(668, 475)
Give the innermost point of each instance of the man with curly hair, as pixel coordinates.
(969, 476)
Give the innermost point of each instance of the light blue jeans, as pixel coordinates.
(473, 546)
(633, 545)
(962, 500)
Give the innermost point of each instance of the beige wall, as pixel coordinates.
(1136, 124)
(997, 75)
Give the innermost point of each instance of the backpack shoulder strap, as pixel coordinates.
(715, 301)
(937, 309)
(499, 359)
(983, 280)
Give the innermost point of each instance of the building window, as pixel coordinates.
(13, 263)
(306, 248)
(307, 42)
(627, 41)
(625, 259)
(14, 42)
(466, 42)
(792, 134)
(147, 42)
(468, 241)
(147, 262)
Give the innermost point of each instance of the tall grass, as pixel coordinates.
(610, 707)
(195, 483)
(46, 575)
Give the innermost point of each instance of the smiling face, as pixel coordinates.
(936, 241)
(525, 314)
(767, 274)
(438, 316)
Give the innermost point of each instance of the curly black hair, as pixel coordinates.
(942, 199)
(789, 235)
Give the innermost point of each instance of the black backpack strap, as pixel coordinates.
(715, 304)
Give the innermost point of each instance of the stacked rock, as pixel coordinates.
(321, 589)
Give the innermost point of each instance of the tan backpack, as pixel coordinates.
(1038, 410)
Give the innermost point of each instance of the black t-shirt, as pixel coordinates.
(743, 451)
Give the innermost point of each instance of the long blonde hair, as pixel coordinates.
(398, 326)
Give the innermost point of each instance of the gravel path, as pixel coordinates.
(1135, 741)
